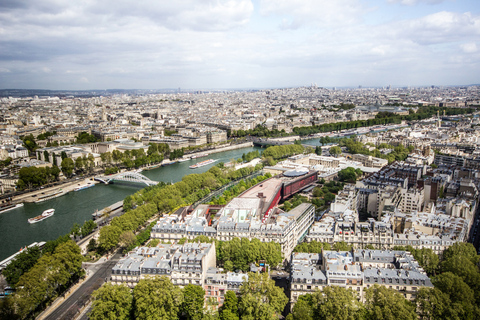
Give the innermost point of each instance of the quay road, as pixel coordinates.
(68, 309)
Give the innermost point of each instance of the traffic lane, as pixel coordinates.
(69, 308)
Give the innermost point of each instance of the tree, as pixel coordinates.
(112, 302)
(21, 264)
(261, 299)
(434, 304)
(454, 287)
(303, 309)
(192, 305)
(29, 143)
(335, 151)
(92, 245)
(427, 259)
(461, 249)
(157, 298)
(75, 231)
(384, 303)
(229, 309)
(106, 158)
(54, 159)
(127, 238)
(67, 167)
(46, 279)
(348, 175)
(88, 227)
(109, 237)
(342, 246)
(337, 303)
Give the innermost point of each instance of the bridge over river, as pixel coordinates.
(127, 177)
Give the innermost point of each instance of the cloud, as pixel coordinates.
(222, 43)
(440, 27)
(205, 15)
(415, 2)
(470, 47)
(315, 12)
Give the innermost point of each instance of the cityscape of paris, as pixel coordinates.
(240, 159)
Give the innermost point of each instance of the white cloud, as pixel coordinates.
(315, 12)
(415, 2)
(440, 27)
(470, 47)
(215, 43)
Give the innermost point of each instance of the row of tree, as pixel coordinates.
(158, 298)
(51, 275)
(32, 177)
(237, 189)
(259, 131)
(381, 118)
(279, 152)
(317, 247)
(247, 157)
(239, 253)
(161, 198)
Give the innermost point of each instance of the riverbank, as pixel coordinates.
(77, 207)
(65, 187)
(208, 152)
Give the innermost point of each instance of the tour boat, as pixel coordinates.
(201, 155)
(46, 214)
(201, 164)
(89, 185)
(10, 206)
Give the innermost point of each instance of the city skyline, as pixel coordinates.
(49, 44)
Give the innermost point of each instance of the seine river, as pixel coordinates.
(16, 232)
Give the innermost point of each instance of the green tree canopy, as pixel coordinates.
(260, 298)
(112, 302)
(229, 309)
(192, 305)
(67, 167)
(157, 299)
(337, 303)
(384, 303)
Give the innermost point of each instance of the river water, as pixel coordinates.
(16, 232)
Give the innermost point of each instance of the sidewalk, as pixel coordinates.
(89, 266)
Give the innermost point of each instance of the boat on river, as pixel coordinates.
(88, 185)
(45, 214)
(201, 164)
(10, 206)
(201, 155)
(50, 196)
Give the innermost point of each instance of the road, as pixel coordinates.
(69, 308)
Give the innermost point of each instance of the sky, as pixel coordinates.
(221, 44)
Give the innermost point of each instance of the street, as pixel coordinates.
(69, 308)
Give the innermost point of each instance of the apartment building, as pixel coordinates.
(182, 264)
(357, 270)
